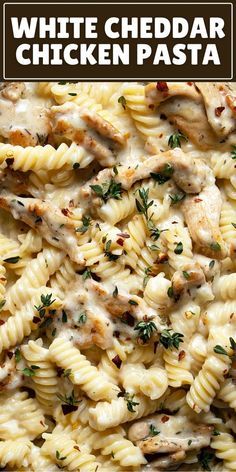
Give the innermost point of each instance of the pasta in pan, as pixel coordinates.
(118, 277)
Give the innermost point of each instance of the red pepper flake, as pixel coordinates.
(36, 319)
(77, 448)
(2, 322)
(219, 110)
(151, 107)
(120, 241)
(65, 211)
(190, 83)
(165, 418)
(67, 409)
(116, 334)
(117, 361)
(197, 200)
(162, 86)
(60, 371)
(182, 355)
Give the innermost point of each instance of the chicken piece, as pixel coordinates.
(187, 112)
(12, 90)
(158, 92)
(122, 303)
(48, 220)
(176, 433)
(218, 102)
(184, 280)
(89, 129)
(98, 329)
(202, 215)
(24, 119)
(188, 173)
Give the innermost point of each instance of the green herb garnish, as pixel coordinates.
(86, 221)
(87, 274)
(12, 260)
(153, 430)
(143, 205)
(220, 350)
(164, 175)
(59, 457)
(233, 152)
(108, 190)
(145, 329)
(175, 140)
(130, 402)
(122, 101)
(215, 247)
(204, 458)
(30, 371)
(179, 248)
(176, 198)
(169, 340)
(83, 318)
(109, 254)
(17, 355)
(2, 303)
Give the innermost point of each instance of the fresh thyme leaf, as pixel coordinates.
(17, 355)
(66, 373)
(220, 350)
(72, 94)
(115, 292)
(115, 170)
(12, 260)
(164, 175)
(108, 190)
(122, 101)
(59, 457)
(216, 432)
(62, 82)
(2, 303)
(186, 274)
(234, 224)
(233, 152)
(68, 399)
(83, 318)
(143, 205)
(211, 264)
(145, 330)
(86, 221)
(30, 372)
(169, 340)
(176, 198)
(153, 431)
(87, 274)
(215, 247)
(232, 344)
(204, 458)
(179, 248)
(130, 402)
(47, 299)
(109, 254)
(175, 140)
(170, 292)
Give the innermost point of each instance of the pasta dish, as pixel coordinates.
(118, 276)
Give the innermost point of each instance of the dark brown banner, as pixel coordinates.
(118, 41)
